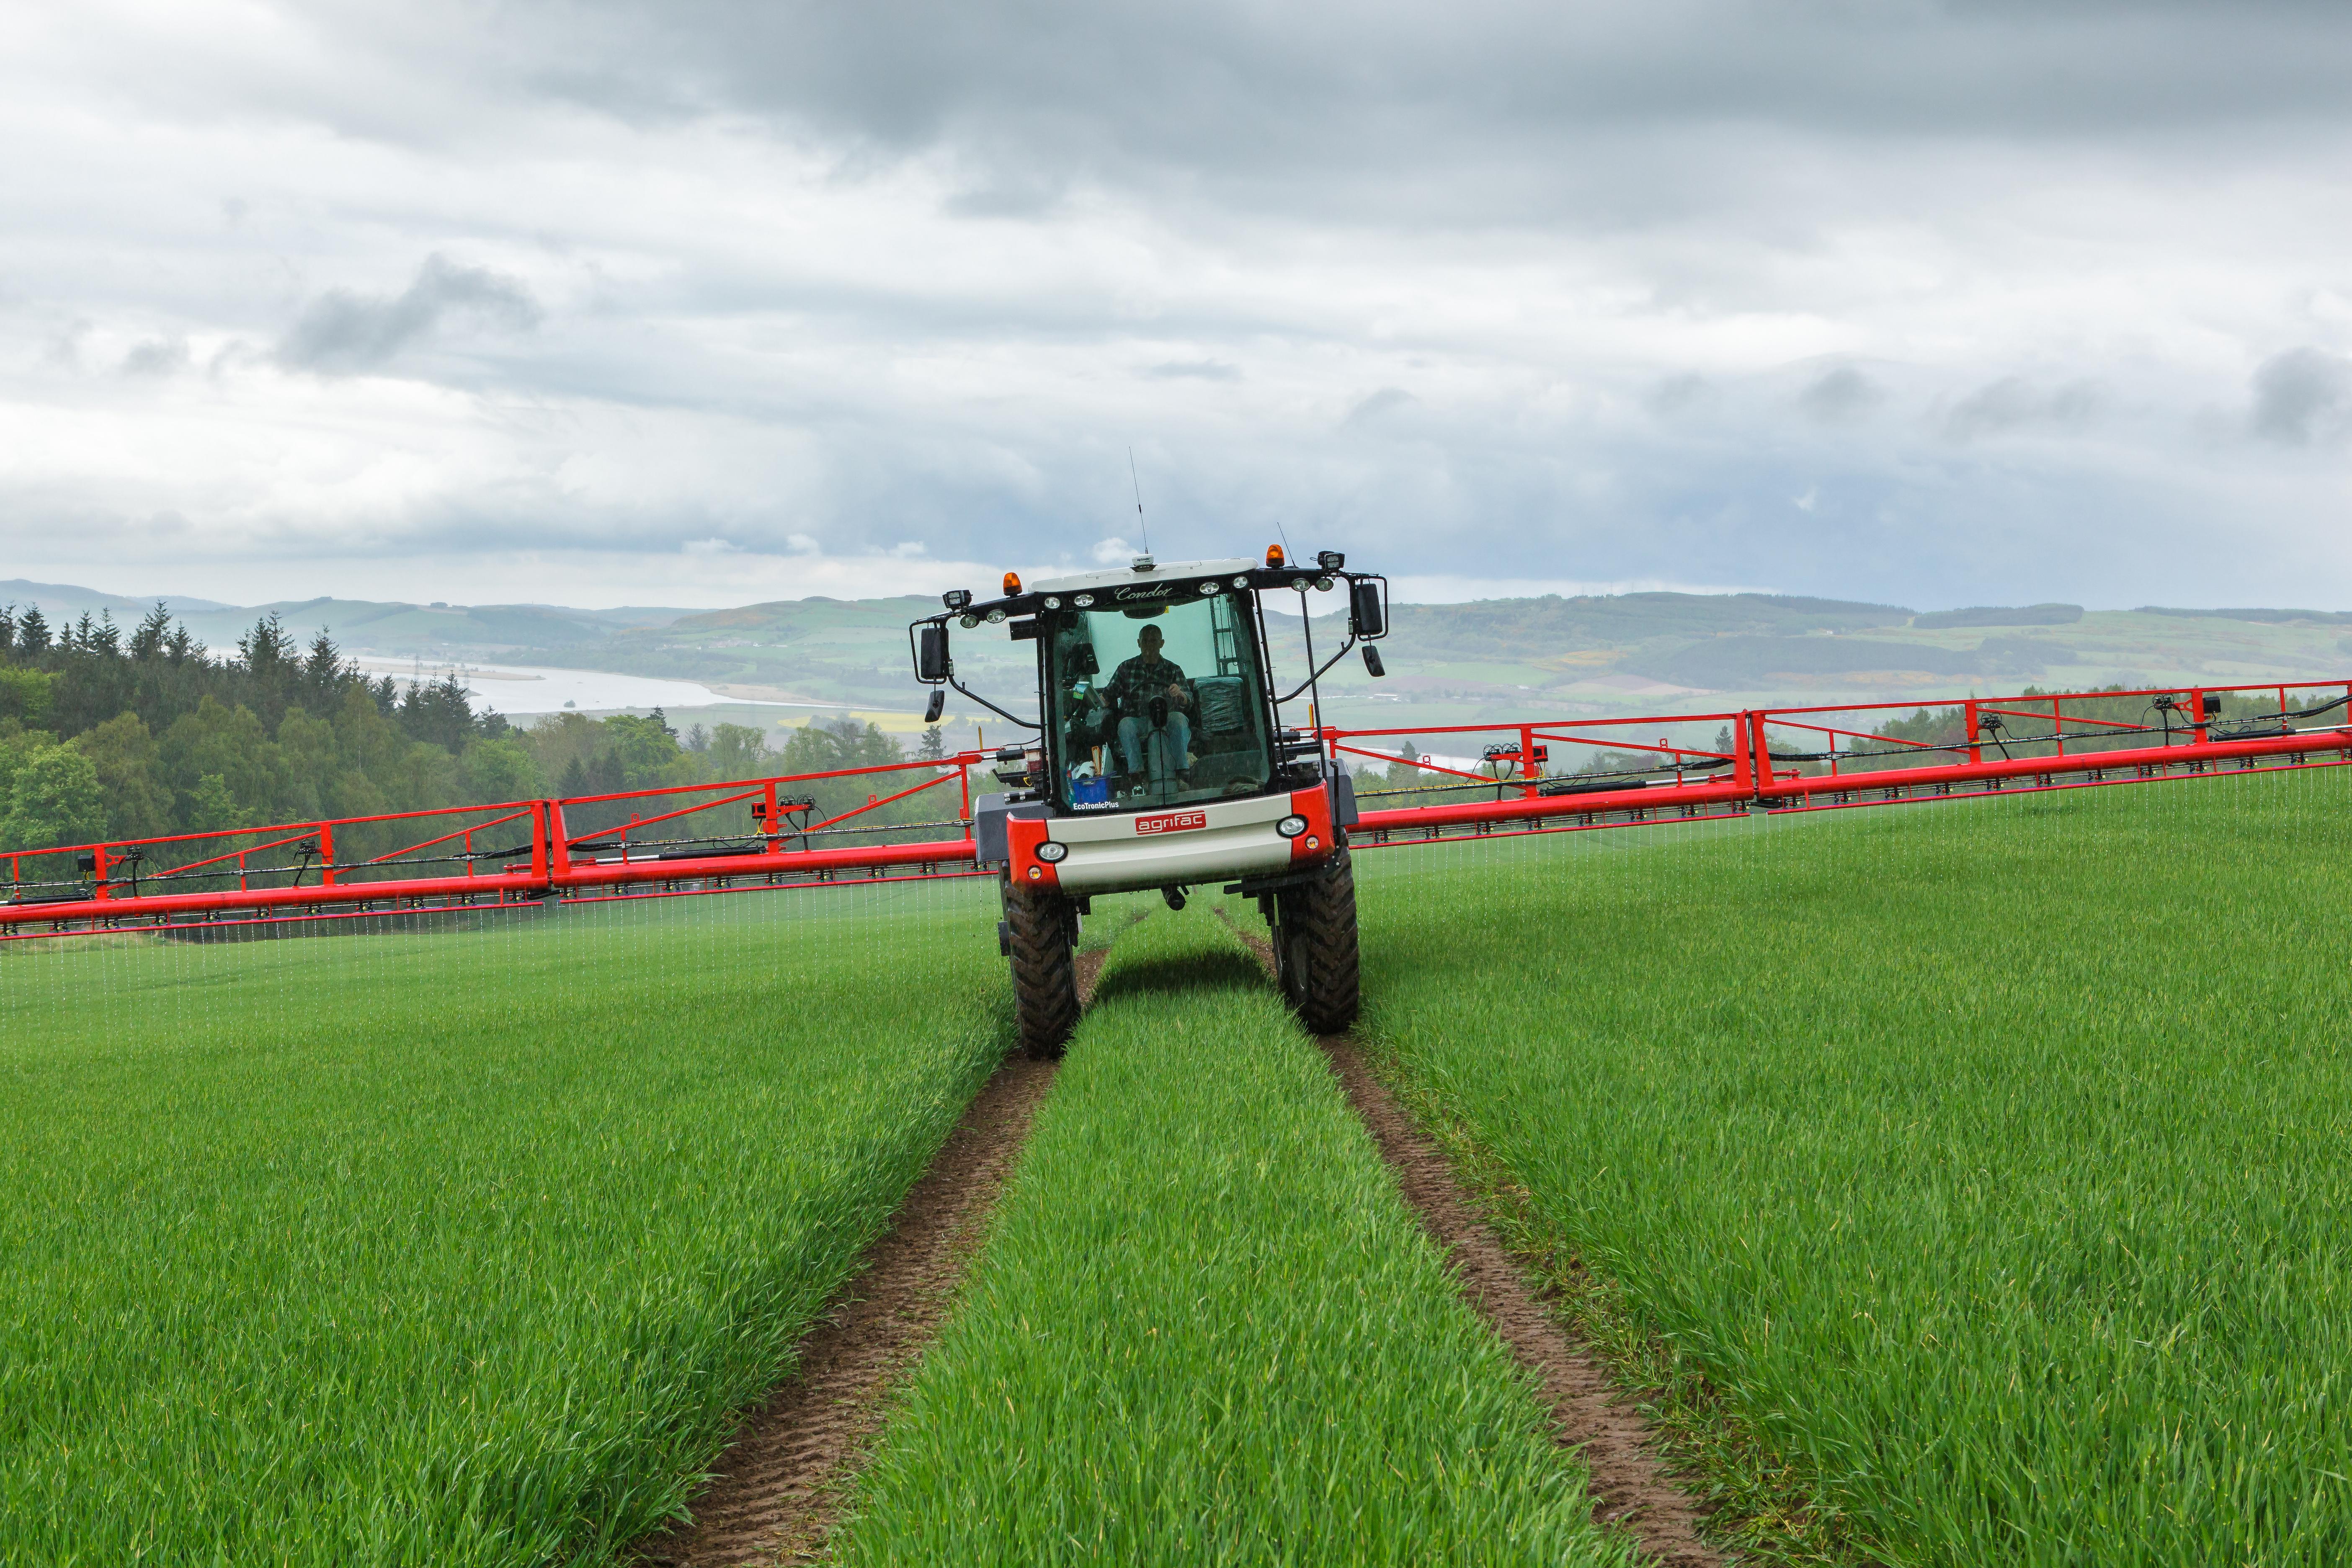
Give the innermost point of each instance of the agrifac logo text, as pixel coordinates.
(1170, 821)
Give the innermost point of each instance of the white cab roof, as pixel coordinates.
(1085, 582)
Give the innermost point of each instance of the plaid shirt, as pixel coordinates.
(1145, 676)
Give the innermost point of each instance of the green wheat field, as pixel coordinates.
(1980, 1170)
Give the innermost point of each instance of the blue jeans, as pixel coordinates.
(1163, 749)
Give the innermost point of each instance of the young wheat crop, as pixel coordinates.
(1207, 1329)
(1989, 1157)
(456, 1248)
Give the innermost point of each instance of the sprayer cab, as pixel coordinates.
(1161, 757)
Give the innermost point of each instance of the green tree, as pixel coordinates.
(736, 752)
(213, 809)
(53, 800)
(130, 777)
(646, 752)
(500, 771)
(25, 695)
(18, 746)
(228, 743)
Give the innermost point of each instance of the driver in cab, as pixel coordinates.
(1135, 686)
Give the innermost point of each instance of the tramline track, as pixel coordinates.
(289, 873)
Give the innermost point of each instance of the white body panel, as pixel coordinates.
(1108, 855)
(1101, 581)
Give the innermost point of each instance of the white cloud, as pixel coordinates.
(298, 297)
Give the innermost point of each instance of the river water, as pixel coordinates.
(523, 690)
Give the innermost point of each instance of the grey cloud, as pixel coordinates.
(2013, 403)
(1372, 410)
(1008, 196)
(1195, 370)
(1258, 94)
(1840, 393)
(63, 352)
(157, 356)
(1676, 392)
(2302, 396)
(341, 332)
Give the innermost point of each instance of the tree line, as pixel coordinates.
(113, 735)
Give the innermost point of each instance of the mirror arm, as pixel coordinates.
(992, 708)
(1322, 669)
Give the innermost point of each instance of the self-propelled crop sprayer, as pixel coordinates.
(1160, 759)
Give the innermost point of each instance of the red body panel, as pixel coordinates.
(1022, 836)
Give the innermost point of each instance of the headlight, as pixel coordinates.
(968, 622)
(1051, 603)
(1300, 584)
(1241, 582)
(1208, 587)
(1052, 852)
(1322, 584)
(995, 617)
(1083, 600)
(1291, 826)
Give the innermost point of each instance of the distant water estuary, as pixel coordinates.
(521, 691)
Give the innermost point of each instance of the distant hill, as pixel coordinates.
(361, 625)
(1595, 655)
(2260, 618)
(1491, 627)
(63, 601)
(1999, 615)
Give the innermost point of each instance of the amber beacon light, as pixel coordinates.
(1274, 557)
(1012, 584)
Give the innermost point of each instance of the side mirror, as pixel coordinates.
(1366, 614)
(931, 655)
(938, 704)
(1372, 661)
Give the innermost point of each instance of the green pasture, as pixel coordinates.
(1205, 1328)
(1988, 1158)
(451, 1247)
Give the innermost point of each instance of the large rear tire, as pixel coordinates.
(1041, 930)
(1315, 946)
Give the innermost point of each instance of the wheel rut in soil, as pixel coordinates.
(776, 1490)
(1631, 1488)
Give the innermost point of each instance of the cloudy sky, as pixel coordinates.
(698, 303)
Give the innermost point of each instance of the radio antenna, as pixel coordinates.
(1284, 535)
(1137, 482)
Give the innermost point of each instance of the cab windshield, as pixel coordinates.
(1156, 706)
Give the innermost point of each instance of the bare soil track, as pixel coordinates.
(774, 1495)
(1631, 1487)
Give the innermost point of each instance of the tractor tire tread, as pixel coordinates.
(1324, 915)
(1045, 973)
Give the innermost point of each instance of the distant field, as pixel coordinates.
(1207, 1329)
(1992, 1158)
(455, 1248)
